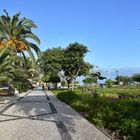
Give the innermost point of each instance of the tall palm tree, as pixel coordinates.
(16, 32)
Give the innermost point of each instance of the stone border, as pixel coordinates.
(52, 108)
(65, 135)
(104, 132)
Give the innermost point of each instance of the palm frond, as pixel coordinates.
(37, 50)
(32, 36)
(31, 55)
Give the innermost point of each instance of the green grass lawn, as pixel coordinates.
(121, 116)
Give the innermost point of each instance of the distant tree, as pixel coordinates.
(124, 79)
(109, 83)
(136, 77)
(97, 76)
(74, 64)
(55, 79)
(89, 80)
(93, 77)
(67, 63)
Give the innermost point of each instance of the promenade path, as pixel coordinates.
(41, 116)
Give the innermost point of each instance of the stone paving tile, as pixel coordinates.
(36, 117)
(26, 109)
(8, 129)
(6, 100)
(37, 130)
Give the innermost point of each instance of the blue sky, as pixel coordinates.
(110, 28)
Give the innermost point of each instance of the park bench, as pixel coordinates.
(7, 91)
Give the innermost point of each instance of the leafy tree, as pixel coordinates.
(136, 77)
(51, 64)
(124, 79)
(85, 69)
(67, 63)
(51, 60)
(55, 79)
(89, 80)
(97, 76)
(93, 78)
(73, 64)
(109, 83)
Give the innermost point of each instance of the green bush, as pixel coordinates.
(81, 107)
(122, 116)
(68, 96)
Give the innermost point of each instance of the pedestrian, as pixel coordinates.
(43, 87)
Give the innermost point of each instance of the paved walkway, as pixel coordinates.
(41, 116)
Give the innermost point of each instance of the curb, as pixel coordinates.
(20, 98)
(103, 131)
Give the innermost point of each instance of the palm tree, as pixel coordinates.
(10, 65)
(16, 32)
(13, 68)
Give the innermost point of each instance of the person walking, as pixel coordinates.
(43, 87)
